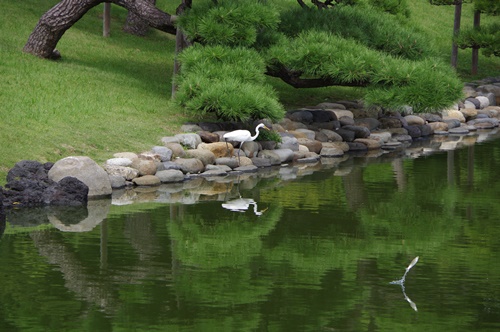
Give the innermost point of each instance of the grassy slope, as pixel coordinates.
(113, 94)
(106, 95)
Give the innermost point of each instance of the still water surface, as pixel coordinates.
(316, 253)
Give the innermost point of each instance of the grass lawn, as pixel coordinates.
(112, 94)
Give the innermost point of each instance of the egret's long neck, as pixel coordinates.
(256, 134)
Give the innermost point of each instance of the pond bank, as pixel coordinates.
(324, 135)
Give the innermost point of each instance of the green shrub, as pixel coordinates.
(226, 82)
(394, 7)
(364, 24)
(427, 86)
(486, 37)
(269, 135)
(232, 23)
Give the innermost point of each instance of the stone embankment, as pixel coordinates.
(327, 130)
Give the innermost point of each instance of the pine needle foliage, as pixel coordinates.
(231, 23)
(226, 82)
(364, 24)
(486, 37)
(426, 85)
(238, 41)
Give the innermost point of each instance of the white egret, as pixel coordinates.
(242, 136)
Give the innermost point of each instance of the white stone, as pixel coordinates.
(119, 162)
(483, 101)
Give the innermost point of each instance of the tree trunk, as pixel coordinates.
(136, 25)
(181, 43)
(456, 30)
(54, 23)
(475, 49)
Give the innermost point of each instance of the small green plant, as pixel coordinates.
(269, 135)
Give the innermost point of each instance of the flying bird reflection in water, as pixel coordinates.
(401, 282)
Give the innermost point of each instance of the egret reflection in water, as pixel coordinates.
(242, 205)
(401, 282)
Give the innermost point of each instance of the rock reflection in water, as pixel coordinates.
(64, 218)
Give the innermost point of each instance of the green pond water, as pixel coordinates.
(307, 251)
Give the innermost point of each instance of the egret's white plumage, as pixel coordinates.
(243, 136)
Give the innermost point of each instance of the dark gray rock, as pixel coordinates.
(452, 123)
(300, 116)
(414, 131)
(425, 130)
(323, 116)
(356, 147)
(69, 191)
(261, 162)
(29, 169)
(370, 123)
(28, 185)
(346, 121)
(390, 122)
(347, 135)
(475, 102)
(331, 125)
(210, 126)
(359, 131)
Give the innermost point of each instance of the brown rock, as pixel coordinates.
(147, 180)
(371, 144)
(312, 145)
(208, 137)
(219, 149)
(144, 166)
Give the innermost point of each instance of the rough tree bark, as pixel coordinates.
(475, 49)
(181, 42)
(294, 78)
(136, 25)
(456, 31)
(53, 24)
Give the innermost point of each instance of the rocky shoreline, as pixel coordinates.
(308, 135)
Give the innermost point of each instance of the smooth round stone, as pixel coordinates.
(247, 169)
(307, 160)
(147, 180)
(391, 145)
(459, 130)
(214, 172)
(170, 175)
(119, 162)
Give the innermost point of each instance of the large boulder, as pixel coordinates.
(85, 170)
(29, 185)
